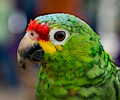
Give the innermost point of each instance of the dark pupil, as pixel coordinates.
(60, 35)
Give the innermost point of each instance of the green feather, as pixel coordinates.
(83, 70)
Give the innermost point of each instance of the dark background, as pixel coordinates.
(18, 84)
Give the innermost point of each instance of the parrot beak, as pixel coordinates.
(29, 50)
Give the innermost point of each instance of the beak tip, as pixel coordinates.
(23, 66)
(21, 61)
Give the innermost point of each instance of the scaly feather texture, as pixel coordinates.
(82, 70)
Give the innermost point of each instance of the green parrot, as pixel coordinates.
(74, 64)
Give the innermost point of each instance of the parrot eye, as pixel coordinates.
(58, 36)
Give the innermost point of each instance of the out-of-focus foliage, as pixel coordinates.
(6, 8)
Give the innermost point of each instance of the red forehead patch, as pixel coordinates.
(42, 30)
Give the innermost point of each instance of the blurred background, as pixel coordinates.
(18, 84)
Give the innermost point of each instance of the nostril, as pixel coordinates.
(32, 34)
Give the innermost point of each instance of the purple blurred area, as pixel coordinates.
(19, 84)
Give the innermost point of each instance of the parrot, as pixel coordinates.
(73, 62)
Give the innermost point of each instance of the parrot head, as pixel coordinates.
(58, 40)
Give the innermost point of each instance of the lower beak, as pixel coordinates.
(29, 50)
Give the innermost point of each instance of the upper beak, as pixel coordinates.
(29, 50)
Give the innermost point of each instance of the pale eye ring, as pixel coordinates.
(58, 36)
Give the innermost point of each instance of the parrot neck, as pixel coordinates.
(78, 72)
(73, 80)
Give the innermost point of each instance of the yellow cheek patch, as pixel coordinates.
(47, 46)
(59, 48)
